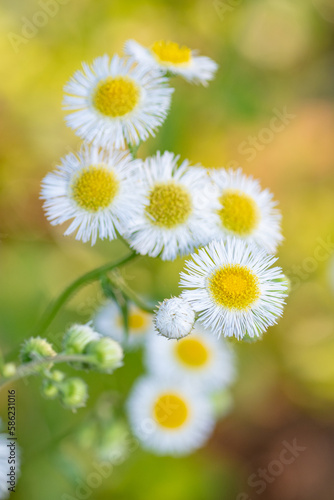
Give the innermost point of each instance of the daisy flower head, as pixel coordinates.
(116, 102)
(200, 358)
(174, 58)
(177, 215)
(169, 417)
(97, 190)
(245, 211)
(175, 318)
(109, 322)
(234, 289)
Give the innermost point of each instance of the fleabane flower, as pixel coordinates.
(116, 102)
(175, 318)
(175, 59)
(97, 190)
(169, 417)
(234, 289)
(177, 214)
(200, 358)
(109, 322)
(245, 211)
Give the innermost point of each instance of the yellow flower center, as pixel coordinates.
(169, 205)
(192, 352)
(137, 321)
(116, 96)
(170, 411)
(235, 287)
(239, 212)
(95, 188)
(171, 53)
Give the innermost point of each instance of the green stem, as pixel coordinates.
(130, 294)
(93, 275)
(30, 368)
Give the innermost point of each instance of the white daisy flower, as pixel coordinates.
(245, 211)
(173, 58)
(175, 318)
(234, 290)
(200, 359)
(5, 466)
(116, 102)
(175, 217)
(169, 417)
(98, 190)
(109, 322)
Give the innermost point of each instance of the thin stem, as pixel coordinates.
(29, 368)
(130, 294)
(93, 275)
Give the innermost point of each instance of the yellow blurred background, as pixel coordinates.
(276, 60)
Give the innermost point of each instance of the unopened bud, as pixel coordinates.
(73, 393)
(8, 370)
(104, 354)
(35, 349)
(175, 318)
(77, 337)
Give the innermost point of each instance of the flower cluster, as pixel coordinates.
(83, 348)
(164, 208)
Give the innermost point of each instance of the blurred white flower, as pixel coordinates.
(199, 358)
(109, 322)
(173, 58)
(169, 417)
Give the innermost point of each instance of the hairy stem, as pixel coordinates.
(93, 275)
(29, 369)
(119, 283)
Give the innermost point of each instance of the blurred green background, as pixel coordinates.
(274, 57)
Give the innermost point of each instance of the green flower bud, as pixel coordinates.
(105, 354)
(50, 390)
(77, 337)
(37, 348)
(114, 445)
(73, 393)
(56, 376)
(8, 370)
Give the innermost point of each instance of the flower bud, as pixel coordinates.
(56, 376)
(175, 318)
(105, 354)
(37, 348)
(73, 393)
(8, 370)
(77, 337)
(50, 390)
(51, 384)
